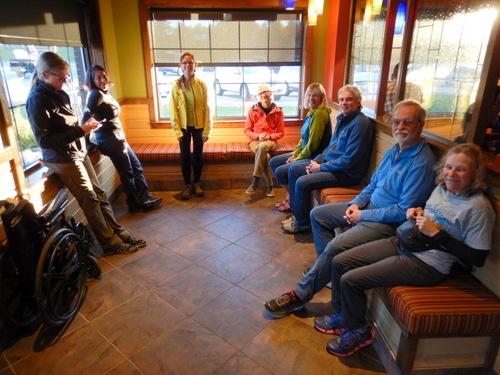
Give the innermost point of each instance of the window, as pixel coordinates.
(18, 64)
(236, 51)
(436, 49)
(447, 56)
(367, 51)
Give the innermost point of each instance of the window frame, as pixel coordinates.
(487, 84)
(216, 5)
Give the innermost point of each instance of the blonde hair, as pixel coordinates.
(321, 89)
(46, 63)
(475, 155)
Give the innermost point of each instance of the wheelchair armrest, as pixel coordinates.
(54, 209)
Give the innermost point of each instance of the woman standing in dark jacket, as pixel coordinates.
(63, 146)
(110, 140)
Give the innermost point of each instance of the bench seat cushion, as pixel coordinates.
(460, 306)
(338, 194)
(156, 152)
(241, 150)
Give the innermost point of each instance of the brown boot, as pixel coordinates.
(186, 193)
(197, 190)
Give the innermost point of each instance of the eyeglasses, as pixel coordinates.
(406, 121)
(265, 92)
(63, 78)
(187, 63)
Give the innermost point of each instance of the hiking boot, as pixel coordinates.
(270, 192)
(284, 305)
(197, 190)
(292, 227)
(186, 193)
(140, 243)
(329, 324)
(123, 249)
(349, 342)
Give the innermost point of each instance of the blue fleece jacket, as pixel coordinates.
(350, 148)
(403, 180)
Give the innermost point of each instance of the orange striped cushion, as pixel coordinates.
(284, 147)
(156, 152)
(239, 151)
(460, 305)
(214, 151)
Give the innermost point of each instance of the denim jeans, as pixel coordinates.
(301, 185)
(280, 167)
(129, 168)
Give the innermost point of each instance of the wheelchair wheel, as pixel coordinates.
(93, 267)
(60, 278)
(17, 302)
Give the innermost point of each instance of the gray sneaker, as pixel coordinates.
(251, 189)
(292, 227)
(136, 241)
(123, 249)
(270, 192)
(289, 220)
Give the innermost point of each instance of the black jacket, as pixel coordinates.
(55, 125)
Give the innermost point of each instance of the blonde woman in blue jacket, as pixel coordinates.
(190, 118)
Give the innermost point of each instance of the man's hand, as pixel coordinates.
(314, 167)
(353, 214)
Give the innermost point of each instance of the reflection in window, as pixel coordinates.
(447, 55)
(18, 64)
(236, 51)
(367, 49)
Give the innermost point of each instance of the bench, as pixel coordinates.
(227, 165)
(431, 330)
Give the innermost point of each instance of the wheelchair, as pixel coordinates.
(44, 264)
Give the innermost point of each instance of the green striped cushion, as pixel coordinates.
(460, 305)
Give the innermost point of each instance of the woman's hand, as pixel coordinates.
(90, 125)
(290, 159)
(204, 139)
(414, 212)
(426, 226)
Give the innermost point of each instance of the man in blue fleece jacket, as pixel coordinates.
(404, 179)
(344, 162)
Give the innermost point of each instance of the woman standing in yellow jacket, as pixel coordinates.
(190, 117)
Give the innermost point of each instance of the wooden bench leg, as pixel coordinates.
(407, 350)
(491, 355)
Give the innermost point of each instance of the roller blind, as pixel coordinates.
(42, 22)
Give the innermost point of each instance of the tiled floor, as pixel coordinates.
(191, 302)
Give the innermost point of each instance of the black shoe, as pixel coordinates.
(123, 249)
(151, 204)
(140, 243)
(155, 202)
(284, 305)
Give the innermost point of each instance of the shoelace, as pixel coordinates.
(347, 338)
(286, 298)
